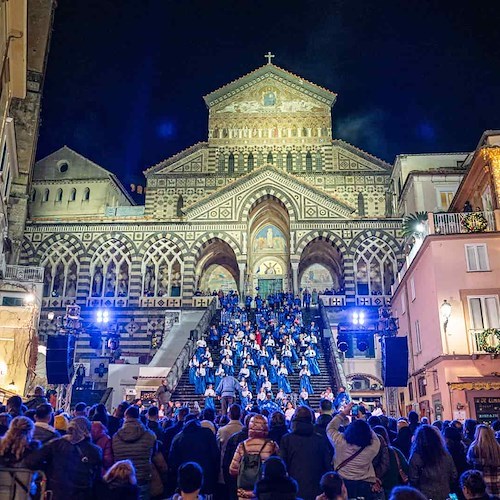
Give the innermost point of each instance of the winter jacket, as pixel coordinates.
(231, 446)
(26, 478)
(196, 444)
(277, 432)
(71, 469)
(136, 443)
(320, 428)
(114, 423)
(359, 468)
(307, 457)
(101, 439)
(45, 432)
(162, 395)
(223, 435)
(34, 403)
(392, 477)
(434, 481)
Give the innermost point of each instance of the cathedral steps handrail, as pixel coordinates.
(182, 361)
(336, 363)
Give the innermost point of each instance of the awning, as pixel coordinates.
(475, 386)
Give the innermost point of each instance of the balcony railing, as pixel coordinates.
(30, 274)
(480, 342)
(463, 222)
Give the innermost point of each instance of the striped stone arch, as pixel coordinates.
(322, 234)
(70, 239)
(198, 246)
(383, 235)
(151, 240)
(246, 204)
(27, 255)
(366, 375)
(122, 238)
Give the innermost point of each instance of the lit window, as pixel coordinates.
(445, 198)
(477, 257)
(483, 312)
(422, 387)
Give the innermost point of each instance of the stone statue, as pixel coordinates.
(97, 283)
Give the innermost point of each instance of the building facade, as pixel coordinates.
(447, 301)
(269, 202)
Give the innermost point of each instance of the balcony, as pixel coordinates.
(484, 341)
(30, 274)
(462, 223)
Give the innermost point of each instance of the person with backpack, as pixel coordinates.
(250, 455)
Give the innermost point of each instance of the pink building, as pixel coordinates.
(447, 303)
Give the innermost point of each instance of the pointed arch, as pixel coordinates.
(270, 157)
(59, 195)
(289, 162)
(268, 191)
(250, 162)
(46, 194)
(221, 164)
(72, 196)
(86, 194)
(319, 162)
(230, 164)
(162, 270)
(309, 163)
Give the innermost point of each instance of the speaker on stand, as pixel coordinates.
(395, 361)
(60, 358)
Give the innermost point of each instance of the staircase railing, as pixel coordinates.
(182, 361)
(335, 361)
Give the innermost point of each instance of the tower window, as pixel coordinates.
(309, 162)
(72, 196)
(63, 167)
(59, 195)
(46, 195)
(270, 158)
(250, 162)
(86, 194)
(230, 164)
(289, 162)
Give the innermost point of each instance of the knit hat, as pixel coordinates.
(257, 428)
(60, 423)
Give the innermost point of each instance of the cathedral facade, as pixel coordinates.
(271, 201)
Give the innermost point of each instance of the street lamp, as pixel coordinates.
(445, 313)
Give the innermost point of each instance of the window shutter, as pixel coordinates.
(472, 264)
(492, 312)
(476, 313)
(482, 258)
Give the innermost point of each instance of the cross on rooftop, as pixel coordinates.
(269, 57)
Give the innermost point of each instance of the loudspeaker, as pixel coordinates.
(395, 361)
(60, 359)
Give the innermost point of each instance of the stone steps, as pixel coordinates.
(185, 393)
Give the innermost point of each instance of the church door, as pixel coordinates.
(267, 286)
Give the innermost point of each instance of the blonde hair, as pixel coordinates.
(485, 447)
(18, 437)
(121, 472)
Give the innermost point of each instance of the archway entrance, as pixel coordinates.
(321, 267)
(217, 268)
(269, 248)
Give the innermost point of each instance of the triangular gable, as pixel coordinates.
(305, 201)
(189, 160)
(273, 72)
(350, 158)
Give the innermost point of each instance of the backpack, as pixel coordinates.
(250, 465)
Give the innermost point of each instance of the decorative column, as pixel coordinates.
(242, 266)
(492, 155)
(295, 277)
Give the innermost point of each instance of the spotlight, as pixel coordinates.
(362, 342)
(102, 316)
(51, 315)
(29, 298)
(358, 318)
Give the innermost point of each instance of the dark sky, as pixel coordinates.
(125, 78)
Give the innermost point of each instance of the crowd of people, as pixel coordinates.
(261, 344)
(246, 453)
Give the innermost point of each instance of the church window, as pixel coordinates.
(250, 162)
(33, 195)
(162, 270)
(110, 270)
(318, 162)
(46, 195)
(309, 163)
(59, 195)
(63, 167)
(270, 158)
(259, 159)
(180, 205)
(375, 267)
(86, 194)
(222, 164)
(279, 160)
(289, 162)
(241, 162)
(61, 271)
(72, 196)
(361, 204)
(298, 162)
(230, 164)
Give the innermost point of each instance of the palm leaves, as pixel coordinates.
(411, 224)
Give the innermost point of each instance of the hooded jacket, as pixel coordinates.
(101, 439)
(307, 457)
(196, 444)
(136, 443)
(44, 432)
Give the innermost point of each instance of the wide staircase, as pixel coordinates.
(185, 393)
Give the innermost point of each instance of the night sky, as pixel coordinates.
(125, 78)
